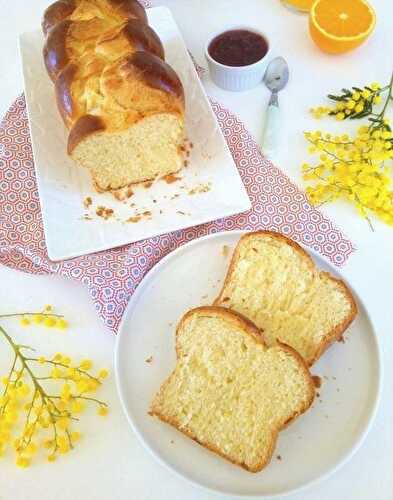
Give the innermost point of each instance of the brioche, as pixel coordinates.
(272, 281)
(93, 44)
(123, 104)
(229, 391)
(113, 12)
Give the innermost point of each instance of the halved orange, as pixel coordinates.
(338, 26)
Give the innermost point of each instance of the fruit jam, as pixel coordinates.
(238, 48)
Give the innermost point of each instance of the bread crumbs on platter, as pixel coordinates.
(171, 178)
(149, 359)
(138, 217)
(134, 220)
(202, 188)
(87, 202)
(104, 212)
(123, 194)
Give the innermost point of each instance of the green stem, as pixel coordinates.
(37, 386)
(18, 315)
(69, 439)
(331, 142)
(56, 363)
(390, 87)
(91, 399)
(8, 383)
(82, 397)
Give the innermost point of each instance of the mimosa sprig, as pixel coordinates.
(42, 398)
(356, 169)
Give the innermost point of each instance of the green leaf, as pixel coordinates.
(337, 98)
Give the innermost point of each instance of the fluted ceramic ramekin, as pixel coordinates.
(237, 78)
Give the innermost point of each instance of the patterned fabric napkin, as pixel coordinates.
(112, 276)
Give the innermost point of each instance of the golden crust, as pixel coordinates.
(55, 51)
(81, 10)
(131, 89)
(66, 104)
(336, 333)
(332, 336)
(85, 126)
(78, 77)
(96, 43)
(256, 334)
(57, 12)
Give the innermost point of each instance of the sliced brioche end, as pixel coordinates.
(274, 282)
(230, 392)
(149, 149)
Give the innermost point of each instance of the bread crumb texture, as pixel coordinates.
(147, 150)
(273, 282)
(229, 391)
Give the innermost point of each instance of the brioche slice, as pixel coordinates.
(274, 282)
(229, 391)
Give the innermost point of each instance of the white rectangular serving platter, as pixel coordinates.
(210, 186)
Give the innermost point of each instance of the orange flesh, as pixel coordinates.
(343, 18)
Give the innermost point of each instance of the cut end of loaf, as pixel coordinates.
(149, 149)
(229, 391)
(274, 282)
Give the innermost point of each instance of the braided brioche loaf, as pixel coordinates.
(123, 104)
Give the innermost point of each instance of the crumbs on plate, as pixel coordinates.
(317, 381)
(149, 359)
(225, 250)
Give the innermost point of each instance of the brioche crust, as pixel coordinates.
(85, 126)
(80, 10)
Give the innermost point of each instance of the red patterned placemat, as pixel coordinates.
(113, 275)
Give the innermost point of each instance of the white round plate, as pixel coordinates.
(309, 449)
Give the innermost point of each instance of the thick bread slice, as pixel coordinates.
(274, 282)
(229, 391)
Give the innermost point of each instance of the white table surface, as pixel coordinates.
(110, 463)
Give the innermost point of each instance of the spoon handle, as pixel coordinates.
(271, 129)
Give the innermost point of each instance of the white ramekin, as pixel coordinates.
(237, 78)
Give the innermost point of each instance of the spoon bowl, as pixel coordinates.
(276, 75)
